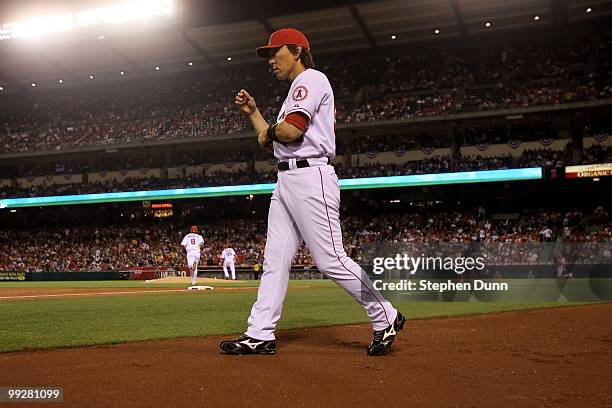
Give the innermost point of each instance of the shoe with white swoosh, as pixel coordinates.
(248, 345)
(383, 339)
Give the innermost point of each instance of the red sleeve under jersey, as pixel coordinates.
(299, 120)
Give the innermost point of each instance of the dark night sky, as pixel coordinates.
(212, 12)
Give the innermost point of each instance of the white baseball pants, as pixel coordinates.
(232, 268)
(305, 206)
(193, 258)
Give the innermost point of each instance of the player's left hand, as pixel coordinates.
(264, 142)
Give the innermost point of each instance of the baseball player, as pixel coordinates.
(228, 255)
(193, 244)
(546, 234)
(562, 268)
(305, 204)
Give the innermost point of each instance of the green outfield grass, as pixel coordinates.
(81, 321)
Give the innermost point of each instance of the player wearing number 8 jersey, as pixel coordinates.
(305, 204)
(193, 244)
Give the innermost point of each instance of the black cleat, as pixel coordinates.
(383, 339)
(248, 345)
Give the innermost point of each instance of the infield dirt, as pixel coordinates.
(545, 357)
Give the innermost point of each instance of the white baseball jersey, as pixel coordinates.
(228, 255)
(312, 95)
(192, 242)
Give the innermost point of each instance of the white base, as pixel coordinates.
(200, 288)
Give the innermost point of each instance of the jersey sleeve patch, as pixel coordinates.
(300, 93)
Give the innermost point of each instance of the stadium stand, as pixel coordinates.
(141, 244)
(541, 157)
(368, 88)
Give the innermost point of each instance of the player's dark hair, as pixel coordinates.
(305, 56)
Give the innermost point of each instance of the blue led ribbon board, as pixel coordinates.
(532, 173)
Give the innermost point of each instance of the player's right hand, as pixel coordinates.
(245, 102)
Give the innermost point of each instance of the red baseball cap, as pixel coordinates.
(284, 36)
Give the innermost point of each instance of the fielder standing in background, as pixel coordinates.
(305, 204)
(228, 255)
(193, 244)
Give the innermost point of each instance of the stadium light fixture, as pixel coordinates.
(487, 24)
(536, 18)
(33, 84)
(229, 58)
(91, 77)
(589, 10)
(121, 73)
(190, 63)
(437, 31)
(61, 81)
(36, 26)
(393, 37)
(157, 68)
(125, 12)
(1, 88)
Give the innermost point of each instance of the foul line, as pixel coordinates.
(138, 292)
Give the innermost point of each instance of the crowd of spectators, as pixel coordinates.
(367, 88)
(157, 244)
(434, 164)
(538, 73)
